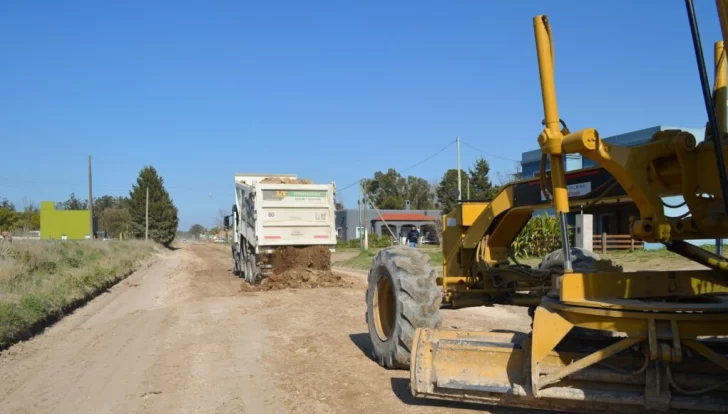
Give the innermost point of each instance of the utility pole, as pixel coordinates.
(90, 201)
(366, 220)
(460, 188)
(360, 231)
(146, 230)
(468, 187)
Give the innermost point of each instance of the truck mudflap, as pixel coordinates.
(494, 368)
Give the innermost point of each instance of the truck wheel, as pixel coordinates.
(251, 268)
(236, 263)
(402, 295)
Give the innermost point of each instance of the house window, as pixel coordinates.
(359, 232)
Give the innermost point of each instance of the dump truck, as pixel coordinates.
(272, 211)
(602, 339)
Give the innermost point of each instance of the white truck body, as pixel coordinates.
(273, 215)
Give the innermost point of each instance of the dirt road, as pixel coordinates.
(180, 337)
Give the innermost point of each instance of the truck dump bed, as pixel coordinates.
(291, 214)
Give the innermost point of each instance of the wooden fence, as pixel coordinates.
(610, 242)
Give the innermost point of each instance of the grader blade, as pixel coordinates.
(494, 369)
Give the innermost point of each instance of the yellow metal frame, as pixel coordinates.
(663, 316)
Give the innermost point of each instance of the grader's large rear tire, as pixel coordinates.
(582, 260)
(402, 295)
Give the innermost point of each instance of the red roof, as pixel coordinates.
(404, 217)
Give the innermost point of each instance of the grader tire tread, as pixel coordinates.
(418, 299)
(582, 260)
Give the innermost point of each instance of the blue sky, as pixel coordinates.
(330, 90)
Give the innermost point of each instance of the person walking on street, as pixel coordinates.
(413, 237)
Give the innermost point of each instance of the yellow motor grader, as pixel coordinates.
(602, 339)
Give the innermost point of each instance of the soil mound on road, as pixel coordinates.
(299, 267)
(302, 279)
(285, 180)
(292, 258)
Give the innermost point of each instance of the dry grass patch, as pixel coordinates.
(42, 280)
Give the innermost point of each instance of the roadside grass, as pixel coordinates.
(363, 260)
(40, 281)
(638, 259)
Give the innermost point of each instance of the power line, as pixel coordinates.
(430, 157)
(339, 190)
(487, 153)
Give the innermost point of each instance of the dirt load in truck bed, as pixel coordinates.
(299, 267)
(284, 180)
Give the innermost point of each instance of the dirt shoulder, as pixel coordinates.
(175, 337)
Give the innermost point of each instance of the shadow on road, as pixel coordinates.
(361, 340)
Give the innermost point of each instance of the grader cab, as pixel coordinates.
(601, 339)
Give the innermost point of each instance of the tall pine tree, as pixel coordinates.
(163, 218)
(481, 187)
(446, 200)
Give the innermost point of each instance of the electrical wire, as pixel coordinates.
(488, 153)
(339, 190)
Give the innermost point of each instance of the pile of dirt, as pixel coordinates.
(299, 268)
(285, 180)
(302, 279)
(291, 258)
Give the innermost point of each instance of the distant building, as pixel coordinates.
(611, 218)
(64, 224)
(400, 222)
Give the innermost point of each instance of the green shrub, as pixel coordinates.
(539, 237)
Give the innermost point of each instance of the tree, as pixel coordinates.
(73, 203)
(390, 190)
(196, 230)
(386, 189)
(419, 194)
(8, 216)
(449, 182)
(514, 174)
(105, 202)
(339, 205)
(163, 219)
(4, 203)
(114, 221)
(480, 186)
(113, 215)
(11, 219)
